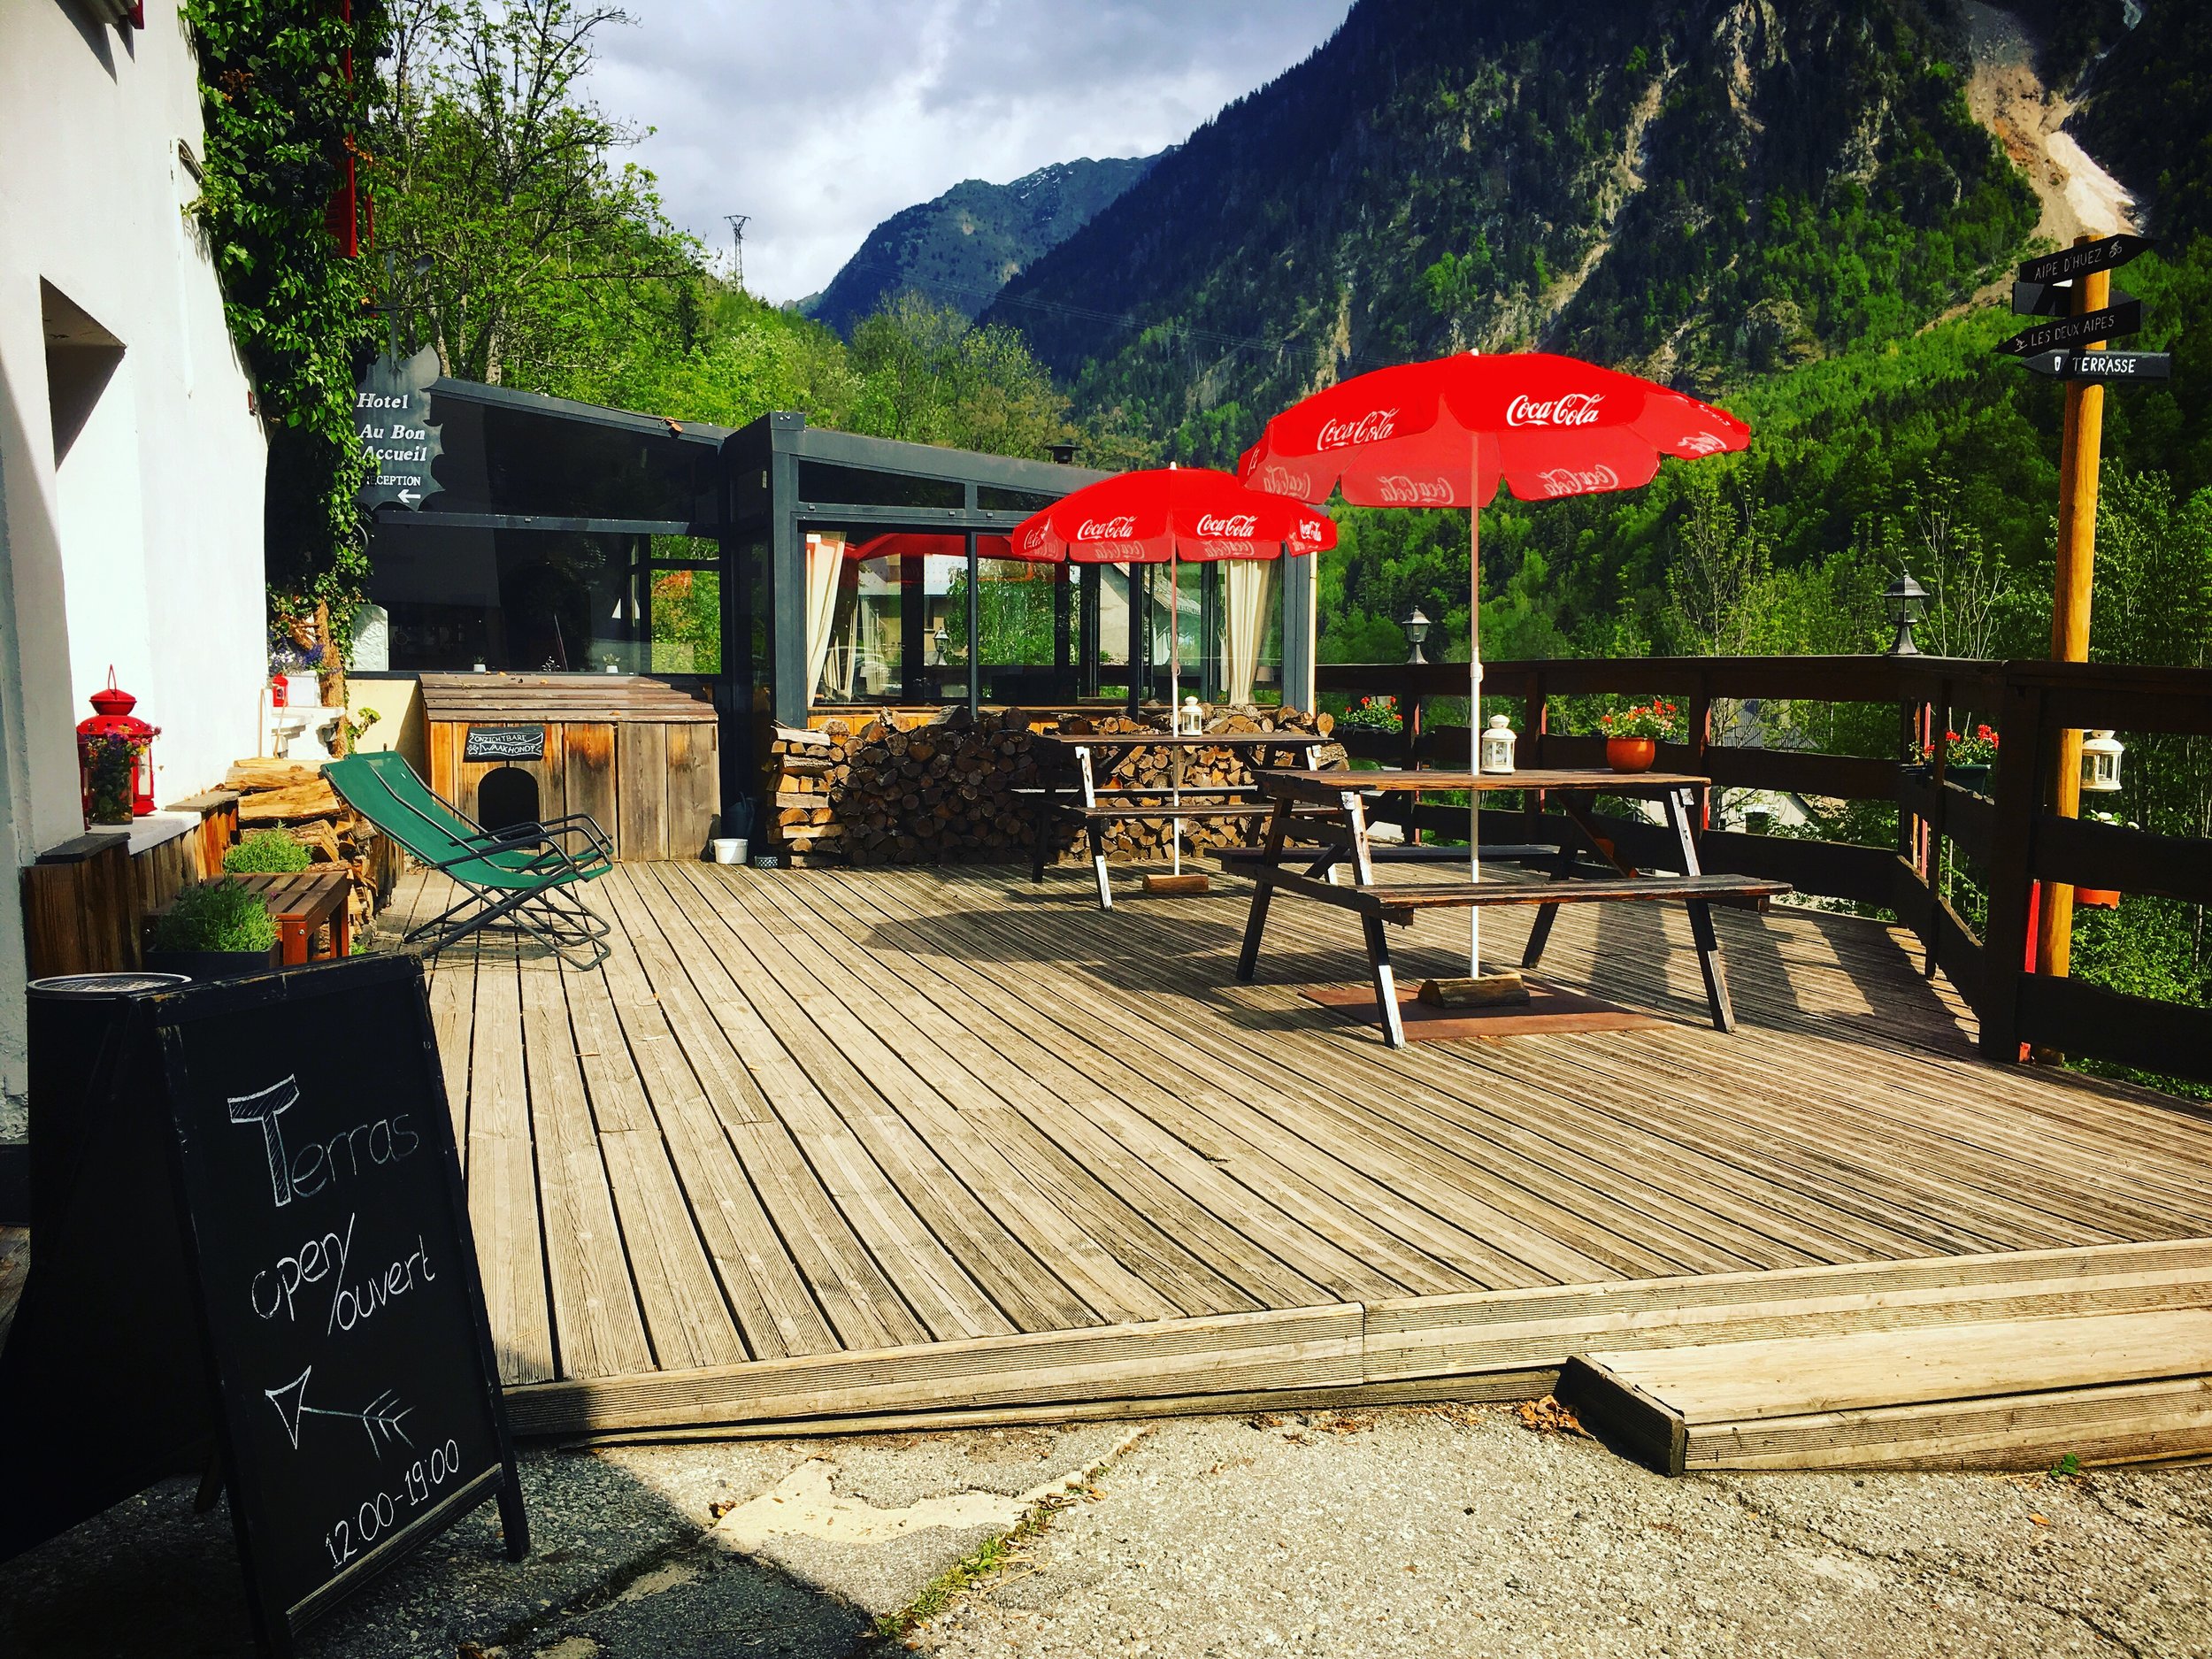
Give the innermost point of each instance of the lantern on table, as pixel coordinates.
(115, 758)
(1497, 745)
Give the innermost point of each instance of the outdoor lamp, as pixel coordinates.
(1194, 719)
(1907, 603)
(1417, 628)
(2101, 754)
(1497, 745)
(939, 634)
(115, 759)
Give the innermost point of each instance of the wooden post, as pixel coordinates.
(2078, 455)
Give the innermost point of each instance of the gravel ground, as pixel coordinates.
(1459, 1532)
(1409, 1533)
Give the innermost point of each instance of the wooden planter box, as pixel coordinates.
(638, 755)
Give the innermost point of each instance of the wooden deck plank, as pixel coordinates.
(600, 1330)
(502, 1183)
(799, 1281)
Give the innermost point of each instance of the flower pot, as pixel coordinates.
(2097, 898)
(1972, 775)
(213, 964)
(1631, 754)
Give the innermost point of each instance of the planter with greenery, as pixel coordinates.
(1633, 735)
(215, 929)
(266, 852)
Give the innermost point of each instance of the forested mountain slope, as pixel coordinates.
(959, 249)
(1698, 191)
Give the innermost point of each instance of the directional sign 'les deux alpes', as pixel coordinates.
(2075, 331)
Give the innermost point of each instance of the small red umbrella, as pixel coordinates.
(1162, 515)
(1443, 434)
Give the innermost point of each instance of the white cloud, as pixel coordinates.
(819, 118)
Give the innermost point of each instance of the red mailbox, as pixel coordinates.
(115, 758)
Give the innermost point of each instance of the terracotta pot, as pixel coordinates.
(1631, 754)
(2097, 898)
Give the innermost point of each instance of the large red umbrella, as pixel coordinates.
(1162, 515)
(1444, 432)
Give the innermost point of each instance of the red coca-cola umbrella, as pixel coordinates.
(1162, 515)
(1445, 433)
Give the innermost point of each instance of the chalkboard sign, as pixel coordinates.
(356, 1393)
(254, 1248)
(504, 743)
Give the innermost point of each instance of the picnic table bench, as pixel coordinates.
(1091, 756)
(1331, 810)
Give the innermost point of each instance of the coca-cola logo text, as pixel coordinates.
(1034, 540)
(1398, 490)
(1567, 481)
(1372, 428)
(1106, 529)
(1701, 443)
(1575, 409)
(1242, 523)
(1278, 480)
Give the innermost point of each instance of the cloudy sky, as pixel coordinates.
(819, 118)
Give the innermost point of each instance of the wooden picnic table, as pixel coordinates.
(1329, 811)
(1096, 804)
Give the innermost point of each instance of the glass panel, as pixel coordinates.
(1021, 623)
(533, 601)
(819, 481)
(864, 601)
(687, 617)
(1012, 500)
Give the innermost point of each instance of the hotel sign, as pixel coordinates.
(391, 411)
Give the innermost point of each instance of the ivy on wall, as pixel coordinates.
(281, 111)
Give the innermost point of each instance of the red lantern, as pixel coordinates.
(115, 761)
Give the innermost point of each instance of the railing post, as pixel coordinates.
(2011, 926)
(1700, 735)
(1535, 721)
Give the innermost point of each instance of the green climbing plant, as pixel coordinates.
(284, 88)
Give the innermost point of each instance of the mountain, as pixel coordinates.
(1697, 191)
(960, 249)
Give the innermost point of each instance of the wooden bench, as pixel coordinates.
(299, 904)
(1344, 837)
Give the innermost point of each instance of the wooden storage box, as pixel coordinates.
(637, 754)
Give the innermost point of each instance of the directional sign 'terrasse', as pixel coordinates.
(2074, 331)
(2083, 258)
(2102, 366)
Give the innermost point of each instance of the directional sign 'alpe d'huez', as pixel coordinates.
(391, 411)
(2083, 258)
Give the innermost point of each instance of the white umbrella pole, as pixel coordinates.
(1474, 705)
(1175, 710)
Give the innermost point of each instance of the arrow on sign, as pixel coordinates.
(380, 1419)
(2075, 331)
(2103, 365)
(2055, 299)
(413, 498)
(2083, 258)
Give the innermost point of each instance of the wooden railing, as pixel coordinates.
(2009, 834)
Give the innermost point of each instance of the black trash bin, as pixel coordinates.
(76, 1039)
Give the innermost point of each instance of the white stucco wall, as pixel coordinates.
(143, 549)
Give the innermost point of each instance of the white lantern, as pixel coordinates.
(1194, 719)
(2100, 762)
(1497, 745)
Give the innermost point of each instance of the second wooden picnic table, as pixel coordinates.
(1330, 811)
(1095, 801)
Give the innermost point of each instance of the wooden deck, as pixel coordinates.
(832, 1145)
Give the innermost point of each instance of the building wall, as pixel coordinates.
(140, 548)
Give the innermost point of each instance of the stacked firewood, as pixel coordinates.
(283, 794)
(949, 789)
(1206, 775)
(941, 792)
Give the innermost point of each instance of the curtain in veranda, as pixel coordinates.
(825, 564)
(1251, 586)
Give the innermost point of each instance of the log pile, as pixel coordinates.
(1208, 775)
(283, 794)
(949, 789)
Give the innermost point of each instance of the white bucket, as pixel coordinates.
(728, 849)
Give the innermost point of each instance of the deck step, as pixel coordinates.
(2106, 1388)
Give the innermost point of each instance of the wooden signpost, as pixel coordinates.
(274, 1156)
(2075, 284)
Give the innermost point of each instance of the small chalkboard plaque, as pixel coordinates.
(504, 743)
(356, 1393)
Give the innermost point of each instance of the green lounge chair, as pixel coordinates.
(514, 874)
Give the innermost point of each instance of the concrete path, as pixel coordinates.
(1417, 1531)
